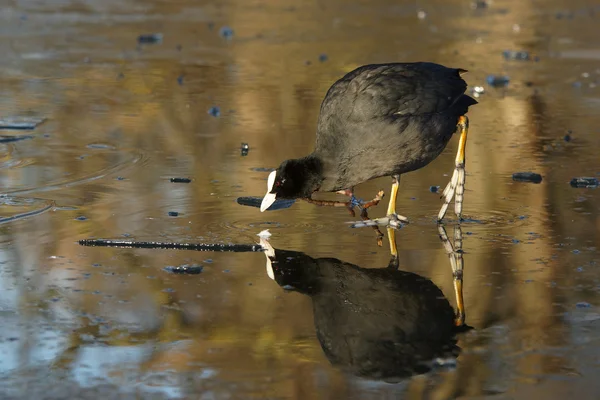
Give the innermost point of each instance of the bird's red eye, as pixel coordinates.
(277, 183)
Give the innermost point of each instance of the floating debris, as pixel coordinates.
(256, 201)
(583, 304)
(150, 38)
(81, 218)
(567, 137)
(20, 123)
(421, 14)
(527, 177)
(584, 182)
(218, 247)
(226, 32)
(180, 80)
(214, 111)
(173, 213)
(434, 189)
(323, 57)
(497, 80)
(189, 269)
(245, 148)
(180, 180)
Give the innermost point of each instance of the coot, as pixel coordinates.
(381, 120)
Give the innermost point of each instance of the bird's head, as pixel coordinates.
(292, 180)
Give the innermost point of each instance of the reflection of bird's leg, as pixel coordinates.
(455, 255)
(457, 183)
(394, 262)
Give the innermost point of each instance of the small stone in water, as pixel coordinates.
(180, 80)
(497, 80)
(527, 177)
(214, 111)
(584, 182)
(245, 148)
(434, 189)
(81, 218)
(173, 213)
(516, 55)
(181, 180)
(226, 32)
(192, 269)
(479, 4)
(323, 57)
(567, 137)
(150, 38)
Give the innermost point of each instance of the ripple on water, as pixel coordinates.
(30, 171)
(15, 208)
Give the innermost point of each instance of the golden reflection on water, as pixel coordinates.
(528, 262)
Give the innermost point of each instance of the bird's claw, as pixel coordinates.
(391, 221)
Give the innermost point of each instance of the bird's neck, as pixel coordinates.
(312, 172)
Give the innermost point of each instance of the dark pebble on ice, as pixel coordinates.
(245, 148)
(584, 182)
(516, 55)
(191, 269)
(226, 32)
(527, 177)
(150, 38)
(214, 111)
(181, 180)
(497, 80)
(173, 213)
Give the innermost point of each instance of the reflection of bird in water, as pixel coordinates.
(381, 120)
(379, 323)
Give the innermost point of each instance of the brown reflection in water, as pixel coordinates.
(270, 98)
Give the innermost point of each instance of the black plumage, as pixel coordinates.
(378, 120)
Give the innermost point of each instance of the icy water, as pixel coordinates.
(122, 118)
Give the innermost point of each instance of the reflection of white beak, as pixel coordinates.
(269, 252)
(269, 197)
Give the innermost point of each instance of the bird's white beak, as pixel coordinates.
(269, 197)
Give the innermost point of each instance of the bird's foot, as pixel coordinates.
(455, 189)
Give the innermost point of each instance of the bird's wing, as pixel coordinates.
(376, 91)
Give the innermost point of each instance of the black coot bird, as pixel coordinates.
(381, 120)
(378, 323)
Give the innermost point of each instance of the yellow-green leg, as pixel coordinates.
(456, 186)
(395, 220)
